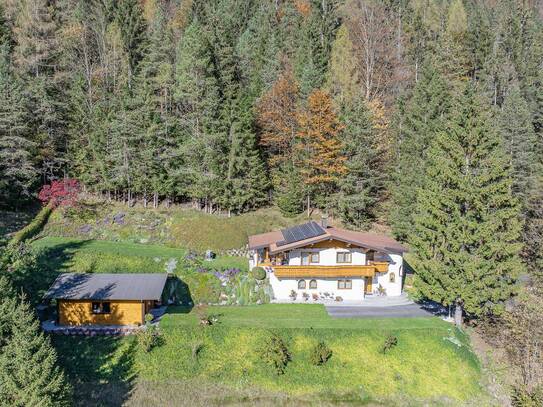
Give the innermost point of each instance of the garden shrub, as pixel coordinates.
(150, 336)
(258, 273)
(196, 348)
(523, 397)
(390, 342)
(275, 353)
(320, 354)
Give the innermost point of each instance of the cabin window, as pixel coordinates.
(345, 284)
(392, 277)
(313, 284)
(343, 257)
(310, 258)
(301, 285)
(101, 307)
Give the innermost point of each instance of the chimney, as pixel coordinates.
(324, 221)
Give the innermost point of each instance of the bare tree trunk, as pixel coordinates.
(145, 199)
(308, 205)
(458, 314)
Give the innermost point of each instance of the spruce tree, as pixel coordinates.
(521, 144)
(363, 184)
(29, 375)
(422, 117)
(17, 171)
(466, 228)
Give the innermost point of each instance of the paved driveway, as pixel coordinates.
(397, 311)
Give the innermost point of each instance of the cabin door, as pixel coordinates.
(368, 286)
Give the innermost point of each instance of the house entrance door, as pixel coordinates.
(368, 286)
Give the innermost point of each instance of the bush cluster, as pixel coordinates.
(390, 342)
(276, 354)
(258, 273)
(320, 354)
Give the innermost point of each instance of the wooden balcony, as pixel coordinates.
(380, 266)
(324, 271)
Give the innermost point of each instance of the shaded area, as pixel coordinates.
(101, 369)
(42, 268)
(397, 311)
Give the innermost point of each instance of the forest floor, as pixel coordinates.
(432, 362)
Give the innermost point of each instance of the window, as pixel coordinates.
(343, 257)
(301, 285)
(345, 284)
(310, 258)
(313, 284)
(392, 277)
(101, 307)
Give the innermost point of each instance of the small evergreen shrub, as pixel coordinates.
(149, 338)
(197, 347)
(258, 273)
(320, 354)
(390, 342)
(276, 354)
(523, 397)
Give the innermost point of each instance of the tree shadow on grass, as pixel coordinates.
(100, 368)
(35, 279)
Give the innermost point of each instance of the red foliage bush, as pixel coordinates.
(62, 192)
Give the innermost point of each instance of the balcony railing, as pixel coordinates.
(324, 271)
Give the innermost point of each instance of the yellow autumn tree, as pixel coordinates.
(319, 147)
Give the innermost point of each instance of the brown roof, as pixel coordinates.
(373, 241)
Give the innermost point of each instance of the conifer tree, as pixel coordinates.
(129, 18)
(289, 191)
(17, 171)
(422, 118)
(363, 184)
(246, 181)
(466, 238)
(29, 375)
(521, 144)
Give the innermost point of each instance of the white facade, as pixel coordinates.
(330, 288)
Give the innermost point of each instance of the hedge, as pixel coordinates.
(34, 227)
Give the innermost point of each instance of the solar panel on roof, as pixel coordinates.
(301, 232)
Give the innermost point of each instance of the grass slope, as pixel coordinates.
(100, 256)
(424, 367)
(184, 228)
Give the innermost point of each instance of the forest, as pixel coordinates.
(424, 116)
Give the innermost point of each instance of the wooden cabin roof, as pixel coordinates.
(105, 286)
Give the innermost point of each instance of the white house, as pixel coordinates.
(313, 261)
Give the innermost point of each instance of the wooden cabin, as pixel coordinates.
(105, 299)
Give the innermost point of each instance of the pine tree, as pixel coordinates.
(198, 103)
(29, 375)
(319, 148)
(129, 18)
(361, 188)
(521, 144)
(290, 191)
(466, 250)
(422, 118)
(246, 181)
(17, 171)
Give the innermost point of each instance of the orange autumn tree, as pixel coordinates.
(319, 147)
(277, 119)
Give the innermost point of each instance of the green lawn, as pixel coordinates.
(424, 367)
(78, 255)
